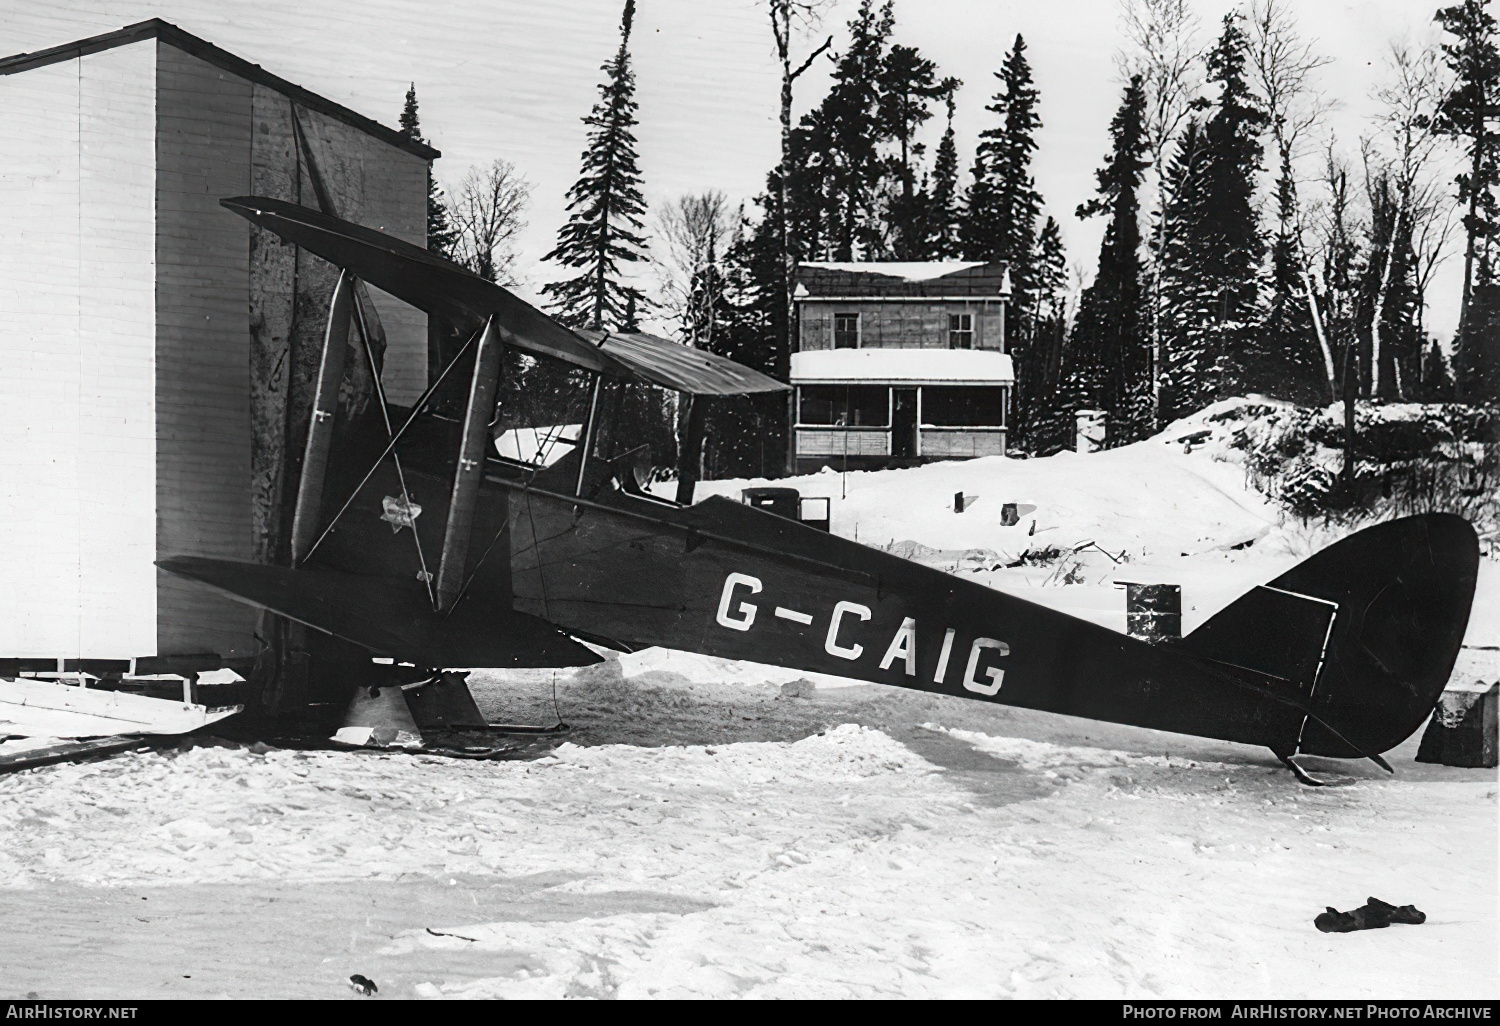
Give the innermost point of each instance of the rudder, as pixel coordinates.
(1398, 595)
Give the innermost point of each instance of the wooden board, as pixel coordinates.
(68, 751)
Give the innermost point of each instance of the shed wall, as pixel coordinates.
(203, 347)
(77, 442)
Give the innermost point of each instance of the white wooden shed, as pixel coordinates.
(156, 350)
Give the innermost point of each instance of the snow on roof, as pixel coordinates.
(924, 270)
(904, 366)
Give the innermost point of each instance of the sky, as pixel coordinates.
(512, 79)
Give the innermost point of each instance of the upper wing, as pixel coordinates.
(426, 281)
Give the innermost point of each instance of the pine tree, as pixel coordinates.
(837, 176)
(1110, 349)
(1004, 204)
(907, 85)
(1474, 59)
(605, 226)
(440, 231)
(1210, 286)
(943, 211)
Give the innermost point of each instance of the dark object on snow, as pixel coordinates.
(814, 512)
(444, 702)
(1408, 914)
(1374, 914)
(788, 503)
(1362, 918)
(1463, 730)
(1153, 612)
(1009, 517)
(363, 985)
(781, 501)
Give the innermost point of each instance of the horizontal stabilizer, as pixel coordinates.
(388, 617)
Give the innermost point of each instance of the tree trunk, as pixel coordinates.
(1474, 172)
(690, 452)
(1380, 294)
(1350, 383)
(1317, 319)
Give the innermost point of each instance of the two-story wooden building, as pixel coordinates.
(900, 363)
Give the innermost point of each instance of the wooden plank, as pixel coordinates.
(70, 751)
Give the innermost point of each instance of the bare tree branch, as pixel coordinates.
(812, 57)
(487, 208)
(1283, 63)
(1415, 155)
(694, 230)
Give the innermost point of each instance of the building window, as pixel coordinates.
(961, 331)
(846, 331)
(853, 405)
(963, 406)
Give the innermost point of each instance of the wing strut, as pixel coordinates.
(588, 433)
(395, 437)
(469, 472)
(320, 430)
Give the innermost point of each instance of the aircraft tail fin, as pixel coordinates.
(1364, 634)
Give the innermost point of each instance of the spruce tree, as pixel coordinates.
(605, 225)
(1004, 205)
(1040, 422)
(747, 435)
(1210, 286)
(440, 232)
(1436, 385)
(1110, 349)
(1474, 58)
(943, 211)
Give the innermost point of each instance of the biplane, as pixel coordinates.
(415, 542)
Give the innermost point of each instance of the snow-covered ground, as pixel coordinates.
(720, 829)
(857, 842)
